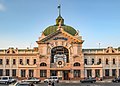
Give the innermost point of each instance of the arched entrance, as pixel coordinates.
(59, 57)
(59, 51)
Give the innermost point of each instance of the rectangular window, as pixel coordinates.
(7, 61)
(21, 61)
(119, 72)
(1, 61)
(106, 72)
(34, 62)
(7, 71)
(107, 61)
(85, 61)
(31, 73)
(89, 73)
(76, 73)
(27, 61)
(43, 73)
(14, 61)
(99, 61)
(114, 61)
(113, 72)
(13, 72)
(1, 72)
(92, 61)
(23, 73)
(97, 73)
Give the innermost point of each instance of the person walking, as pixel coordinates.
(53, 84)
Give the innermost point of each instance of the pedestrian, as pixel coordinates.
(53, 84)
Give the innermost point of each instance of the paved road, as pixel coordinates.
(77, 84)
(86, 84)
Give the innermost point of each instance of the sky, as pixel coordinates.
(22, 21)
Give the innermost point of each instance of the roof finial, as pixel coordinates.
(59, 8)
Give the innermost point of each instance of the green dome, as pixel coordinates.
(59, 21)
(52, 29)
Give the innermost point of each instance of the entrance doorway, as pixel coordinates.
(66, 75)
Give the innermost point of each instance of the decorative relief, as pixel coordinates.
(48, 50)
(75, 56)
(60, 43)
(41, 56)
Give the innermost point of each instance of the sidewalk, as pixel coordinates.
(105, 80)
(78, 81)
(69, 81)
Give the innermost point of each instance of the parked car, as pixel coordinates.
(22, 84)
(52, 79)
(91, 80)
(32, 79)
(116, 79)
(7, 79)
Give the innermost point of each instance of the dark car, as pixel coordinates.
(86, 80)
(116, 79)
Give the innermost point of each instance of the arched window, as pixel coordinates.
(92, 61)
(85, 61)
(106, 61)
(43, 64)
(99, 61)
(113, 61)
(76, 64)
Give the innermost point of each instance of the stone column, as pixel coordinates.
(27, 74)
(110, 72)
(101, 73)
(10, 72)
(85, 73)
(19, 72)
(93, 72)
(34, 73)
(82, 73)
(48, 73)
(117, 72)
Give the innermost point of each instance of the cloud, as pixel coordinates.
(2, 7)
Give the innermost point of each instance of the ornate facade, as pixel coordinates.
(60, 53)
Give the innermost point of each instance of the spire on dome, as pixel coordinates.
(59, 20)
(59, 8)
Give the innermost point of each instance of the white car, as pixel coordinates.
(22, 84)
(7, 79)
(32, 79)
(52, 79)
